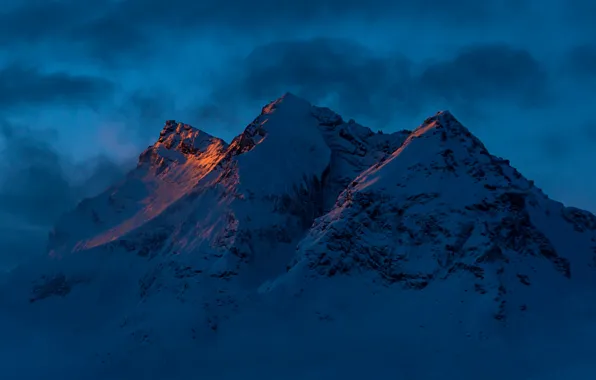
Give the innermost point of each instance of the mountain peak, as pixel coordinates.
(285, 120)
(445, 114)
(444, 120)
(289, 101)
(172, 127)
(448, 132)
(177, 141)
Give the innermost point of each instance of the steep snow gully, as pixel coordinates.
(310, 247)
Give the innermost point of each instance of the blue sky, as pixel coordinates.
(86, 85)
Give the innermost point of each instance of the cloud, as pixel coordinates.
(30, 86)
(323, 67)
(110, 29)
(241, 14)
(362, 83)
(495, 72)
(34, 184)
(582, 61)
(37, 185)
(556, 147)
(144, 111)
(579, 14)
(589, 131)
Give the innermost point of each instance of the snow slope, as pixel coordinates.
(310, 247)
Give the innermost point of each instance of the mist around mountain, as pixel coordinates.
(310, 247)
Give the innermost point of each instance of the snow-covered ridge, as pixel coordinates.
(297, 159)
(438, 204)
(296, 210)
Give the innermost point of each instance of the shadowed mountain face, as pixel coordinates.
(319, 245)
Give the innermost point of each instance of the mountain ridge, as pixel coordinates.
(443, 148)
(306, 222)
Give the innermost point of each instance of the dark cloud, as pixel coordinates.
(37, 185)
(589, 131)
(98, 174)
(489, 72)
(142, 114)
(33, 180)
(241, 14)
(579, 13)
(93, 28)
(112, 34)
(323, 67)
(113, 29)
(109, 28)
(144, 111)
(582, 61)
(34, 20)
(555, 147)
(362, 83)
(30, 86)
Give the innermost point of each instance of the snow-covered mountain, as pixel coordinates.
(310, 247)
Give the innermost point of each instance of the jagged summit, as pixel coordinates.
(178, 142)
(446, 122)
(289, 112)
(288, 99)
(174, 130)
(279, 115)
(449, 125)
(306, 222)
(185, 138)
(444, 115)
